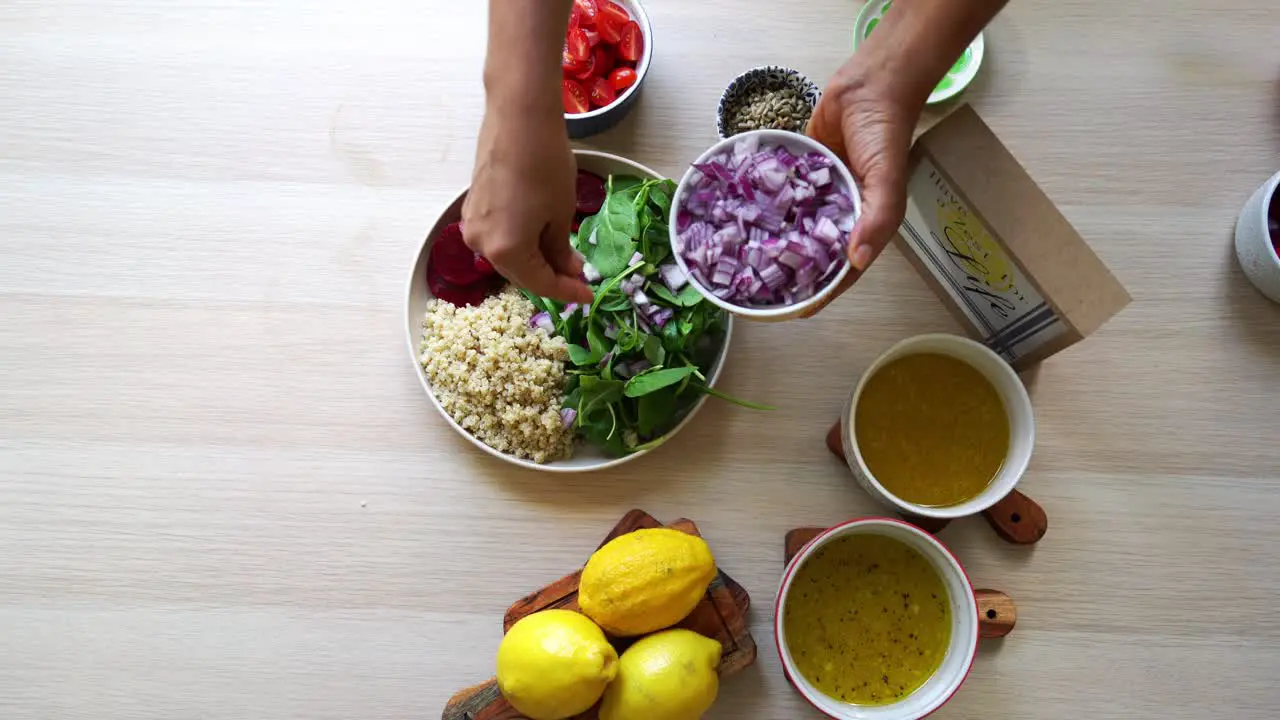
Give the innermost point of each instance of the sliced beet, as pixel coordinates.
(461, 295)
(451, 257)
(590, 192)
(484, 267)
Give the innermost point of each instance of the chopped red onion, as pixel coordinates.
(673, 277)
(590, 272)
(637, 258)
(568, 416)
(568, 310)
(662, 316)
(543, 320)
(639, 298)
(761, 226)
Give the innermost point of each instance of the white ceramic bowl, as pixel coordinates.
(592, 122)
(587, 457)
(798, 144)
(1017, 405)
(1257, 255)
(946, 680)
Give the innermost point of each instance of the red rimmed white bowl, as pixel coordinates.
(946, 680)
(596, 121)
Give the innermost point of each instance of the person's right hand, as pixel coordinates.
(519, 210)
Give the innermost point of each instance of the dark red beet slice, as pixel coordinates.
(460, 295)
(484, 267)
(590, 193)
(451, 257)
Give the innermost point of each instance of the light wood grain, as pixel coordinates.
(224, 496)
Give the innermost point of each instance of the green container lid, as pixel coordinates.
(956, 79)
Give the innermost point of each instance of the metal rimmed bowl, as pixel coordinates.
(586, 457)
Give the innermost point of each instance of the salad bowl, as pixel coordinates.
(586, 457)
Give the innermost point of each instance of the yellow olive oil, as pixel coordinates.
(932, 429)
(868, 619)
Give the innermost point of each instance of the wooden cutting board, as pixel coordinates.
(722, 615)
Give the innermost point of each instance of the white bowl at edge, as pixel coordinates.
(798, 144)
(1254, 250)
(586, 457)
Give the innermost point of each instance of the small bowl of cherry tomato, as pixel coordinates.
(607, 49)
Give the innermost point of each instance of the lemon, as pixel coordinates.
(669, 675)
(645, 580)
(554, 664)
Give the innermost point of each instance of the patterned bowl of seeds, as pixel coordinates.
(767, 98)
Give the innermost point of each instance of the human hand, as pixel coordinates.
(519, 210)
(864, 119)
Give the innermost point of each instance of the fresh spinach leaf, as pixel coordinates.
(624, 185)
(689, 295)
(660, 196)
(656, 410)
(662, 293)
(597, 391)
(729, 398)
(671, 337)
(599, 344)
(653, 351)
(613, 249)
(617, 304)
(649, 381)
(579, 355)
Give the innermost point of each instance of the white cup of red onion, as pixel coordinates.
(760, 224)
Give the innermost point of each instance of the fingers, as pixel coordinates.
(525, 266)
(845, 284)
(557, 250)
(883, 206)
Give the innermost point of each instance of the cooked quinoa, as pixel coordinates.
(498, 378)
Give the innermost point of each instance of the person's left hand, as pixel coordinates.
(864, 120)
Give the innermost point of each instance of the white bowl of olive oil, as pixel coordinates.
(939, 426)
(876, 620)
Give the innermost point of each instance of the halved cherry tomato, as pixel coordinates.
(587, 11)
(568, 63)
(576, 45)
(593, 37)
(631, 47)
(623, 78)
(588, 69)
(573, 97)
(604, 60)
(611, 20)
(602, 92)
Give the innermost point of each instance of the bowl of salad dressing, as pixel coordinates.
(876, 620)
(939, 426)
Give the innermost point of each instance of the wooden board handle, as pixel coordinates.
(1018, 519)
(996, 613)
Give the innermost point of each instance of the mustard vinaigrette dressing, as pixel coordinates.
(932, 429)
(868, 619)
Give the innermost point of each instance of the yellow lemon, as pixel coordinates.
(645, 581)
(554, 664)
(669, 675)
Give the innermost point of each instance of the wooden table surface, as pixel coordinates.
(223, 494)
